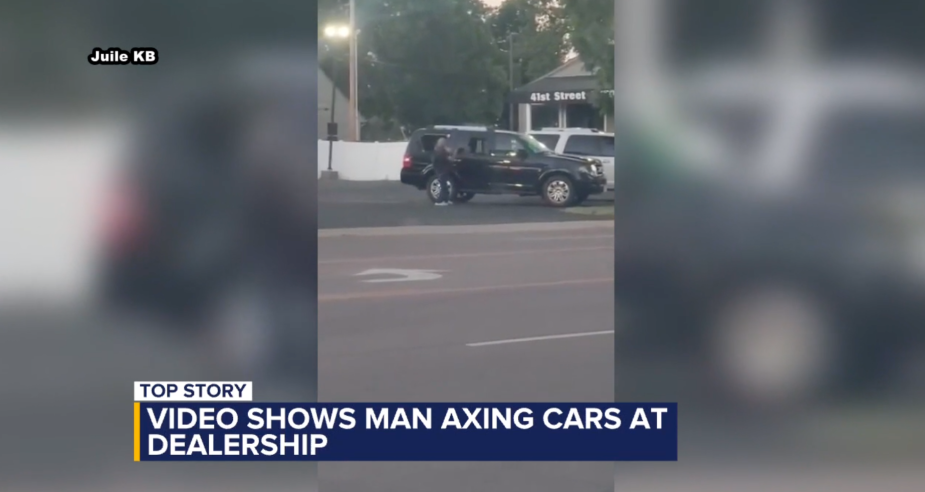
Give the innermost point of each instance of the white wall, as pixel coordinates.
(52, 180)
(52, 177)
(363, 161)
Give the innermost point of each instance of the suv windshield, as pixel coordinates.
(509, 143)
(534, 145)
(549, 141)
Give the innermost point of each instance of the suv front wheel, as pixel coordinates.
(559, 191)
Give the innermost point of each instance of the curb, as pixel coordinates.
(596, 211)
(467, 229)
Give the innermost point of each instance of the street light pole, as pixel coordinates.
(333, 32)
(354, 104)
(333, 103)
(510, 71)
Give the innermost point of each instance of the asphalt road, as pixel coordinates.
(343, 204)
(66, 371)
(79, 365)
(488, 329)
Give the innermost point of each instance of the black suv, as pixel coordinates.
(777, 289)
(214, 214)
(493, 161)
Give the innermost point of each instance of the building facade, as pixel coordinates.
(563, 98)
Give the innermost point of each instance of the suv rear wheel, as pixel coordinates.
(559, 191)
(463, 197)
(433, 188)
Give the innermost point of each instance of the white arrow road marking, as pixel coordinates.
(403, 275)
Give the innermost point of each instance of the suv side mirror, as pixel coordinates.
(522, 153)
(460, 151)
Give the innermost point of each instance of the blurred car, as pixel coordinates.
(581, 142)
(211, 226)
(781, 263)
(490, 161)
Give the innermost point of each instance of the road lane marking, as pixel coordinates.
(560, 238)
(403, 275)
(540, 339)
(388, 294)
(450, 256)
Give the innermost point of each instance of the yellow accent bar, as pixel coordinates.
(137, 431)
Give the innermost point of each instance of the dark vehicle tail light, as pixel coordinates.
(123, 220)
(406, 163)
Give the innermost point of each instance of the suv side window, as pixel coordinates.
(428, 141)
(473, 143)
(550, 141)
(585, 145)
(478, 145)
(506, 144)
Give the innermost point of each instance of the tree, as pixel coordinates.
(591, 33)
(540, 36)
(430, 62)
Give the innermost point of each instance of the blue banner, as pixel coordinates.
(406, 432)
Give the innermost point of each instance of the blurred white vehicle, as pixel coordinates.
(581, 142)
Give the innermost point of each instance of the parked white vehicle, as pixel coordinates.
(583, 142)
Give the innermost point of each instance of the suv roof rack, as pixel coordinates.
(483, 128)
(571, 129)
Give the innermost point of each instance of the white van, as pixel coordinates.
(584, 142)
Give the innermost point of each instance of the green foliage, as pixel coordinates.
(540, 37)
(591, 27)
(430, 62)
(446, 61)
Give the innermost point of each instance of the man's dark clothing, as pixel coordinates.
(443, 167)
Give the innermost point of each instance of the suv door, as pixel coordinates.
(510, 172)
(472, 165)
(422, 152)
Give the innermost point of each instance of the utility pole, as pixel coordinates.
(333, 32)
(510, 71)
(333, 102)
(354, 118)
